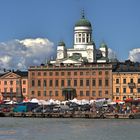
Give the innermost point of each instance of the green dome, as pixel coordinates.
(103, 45)
(61, 43)
(83, 22)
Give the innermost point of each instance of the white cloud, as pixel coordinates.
(111, 54)
(20, 54)
(134, 55)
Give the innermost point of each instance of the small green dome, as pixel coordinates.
(103, 45)
(61, 43)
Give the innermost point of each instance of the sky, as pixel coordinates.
(31, 29)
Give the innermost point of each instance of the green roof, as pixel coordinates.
(103, 45)
(83, 21)
(61, 43)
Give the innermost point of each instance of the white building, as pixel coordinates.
(84, 49)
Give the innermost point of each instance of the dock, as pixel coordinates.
(76, 114)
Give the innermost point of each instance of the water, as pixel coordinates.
(68, 129)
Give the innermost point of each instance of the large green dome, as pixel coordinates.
(83, 22)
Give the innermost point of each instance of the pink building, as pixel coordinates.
(14, 85)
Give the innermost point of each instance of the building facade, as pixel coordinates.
(14, 85)
(64, 82)
(126, 80)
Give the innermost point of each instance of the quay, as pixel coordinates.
(76, 114)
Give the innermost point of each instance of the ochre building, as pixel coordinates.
(64, 82)
(126, 80)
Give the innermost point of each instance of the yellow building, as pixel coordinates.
(126, 81)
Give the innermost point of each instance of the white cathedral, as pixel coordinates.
(84, 49)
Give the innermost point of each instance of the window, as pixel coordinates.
(138, 90)
(33, 92)
(17, 90)
(87, 82)
(93, 82)
(24, 90)
(33, 83)
(100, 82)
(124, 81)
(45, 94)
(117, 90)
(5, 82)
(83, 38)
(33, 74)
(106, 72)
(45, 73)
(131, 90)
(17, 82)
(11, 82)
(39, 73)
(5, 90)
(124, 90)
(44, 83)
(106, 82)
(100, 93)
(69, 73)
(62, 83)
(69, 82)
(75, 73)
(50, 73)
(39, 83)
(81, 82)
(56, 93)
(11, 90)
(100, 72)
(50, 93)
(93, 93)
(131, 80)
(81, 93)
(106, 92)
(57, 73)
(75, 83)
(117, 81)
(81, 73)
(87, 93)
(56, 83)
(51, 83)
(138, 80)
(24, 82)
(62, 73)
(39, 93)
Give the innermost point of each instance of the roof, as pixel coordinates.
(126, 67)
(83, 22)
(61, 43)
(103, 45)
(21, 73)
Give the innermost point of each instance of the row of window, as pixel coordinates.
(68, 73)
(124, 90)
(17, 90)
(83, 38)
(81, 93)
(124, 80)
(12, 82)
(58, 83)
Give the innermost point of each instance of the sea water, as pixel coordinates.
(69, 129)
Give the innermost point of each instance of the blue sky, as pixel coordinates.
(117, 22)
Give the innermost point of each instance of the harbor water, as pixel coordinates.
(69, 129)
